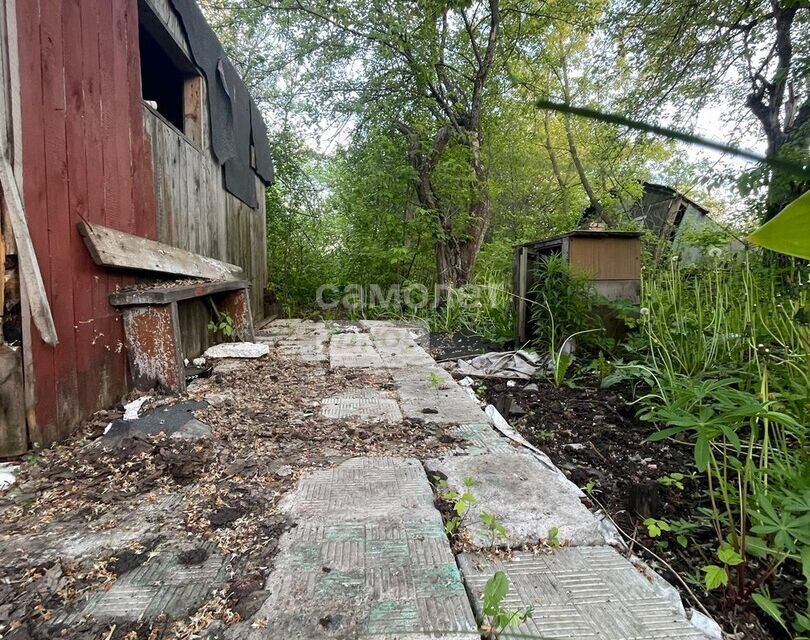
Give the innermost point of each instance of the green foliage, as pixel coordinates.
(725, 355)
(655, 527)
(223, 324)
(563, 305)
(771, 606)
(673, 479)
(494, 528)
(553, 538)
(496, 619)
(715, 577)
(461, 502)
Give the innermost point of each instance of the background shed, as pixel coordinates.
(611, 258)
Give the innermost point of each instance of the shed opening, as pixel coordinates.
(170, 83)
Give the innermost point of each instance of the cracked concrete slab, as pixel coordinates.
(305, 340)
(431, 394)
(478, 438)
(369, 558)
(354, 351)
(362, 404)
(581, 593)
(398, 348)
(528, 498)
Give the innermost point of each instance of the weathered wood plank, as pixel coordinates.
(116, 249)
(37, 297)
(13, 432)
(165, 295)
(192, 116)
(153, 346)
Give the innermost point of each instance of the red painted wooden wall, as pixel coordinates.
(84, 157)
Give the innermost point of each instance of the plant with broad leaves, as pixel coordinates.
(494, 528)
(223, 324)
(655, 527)
(462, 501)
(496, 619)
(673, 479)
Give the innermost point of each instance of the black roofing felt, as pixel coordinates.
(235, 119)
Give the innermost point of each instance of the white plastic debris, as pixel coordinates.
(8, 475)
(237, 350)
(131, 410)
(107, 428)
(512, 365)
(198, 362)
(466, 382)
(706, 625)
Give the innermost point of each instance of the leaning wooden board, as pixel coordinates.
(116, 249)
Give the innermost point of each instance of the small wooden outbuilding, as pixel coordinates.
(611, 258)
(125, 114)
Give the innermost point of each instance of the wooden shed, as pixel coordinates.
(125, 114)
(611, 258)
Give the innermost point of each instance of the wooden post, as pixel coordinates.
(193, 110)
(13, 433)
(237, 305)
(2, 277)
(154, 347)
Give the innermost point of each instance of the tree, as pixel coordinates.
(425, 69)
(753, 53)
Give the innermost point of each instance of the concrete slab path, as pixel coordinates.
(370, 557)
(307, 512)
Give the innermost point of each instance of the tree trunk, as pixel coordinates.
(767, 102)
(555, 165)
(455, 256)
(596, 206)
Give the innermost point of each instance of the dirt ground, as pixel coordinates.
(223, 492)
(594, 437)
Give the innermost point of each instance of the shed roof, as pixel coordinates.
(582, 233)
(652, 186)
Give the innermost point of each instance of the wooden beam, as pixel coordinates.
(165, 295)
(116, 249)
(2, 281)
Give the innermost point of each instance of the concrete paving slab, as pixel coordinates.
(306, 348)
(478, 438)
(581, 593)
(398, 348)
(162, 585)
(354, 351)
(369, 558)
(528, 498)
(360, 489)
(431, 394)
(362, 404)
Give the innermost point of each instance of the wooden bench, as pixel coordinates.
(152, 327)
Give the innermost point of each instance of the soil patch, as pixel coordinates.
(593, 436)
(459, 344)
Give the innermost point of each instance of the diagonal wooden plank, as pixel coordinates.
(29, 269)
